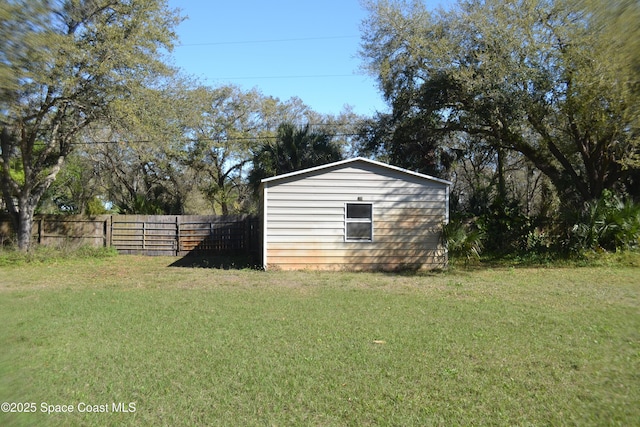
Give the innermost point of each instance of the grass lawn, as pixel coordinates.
(196, 346)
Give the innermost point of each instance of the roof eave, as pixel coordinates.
(355, 159)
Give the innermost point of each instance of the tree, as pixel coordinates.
(548, 79)
(141, 157)
(75, 190)
(65, 65)
(226, 130)
(228, 123)
(295, 148)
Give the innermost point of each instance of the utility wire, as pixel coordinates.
(273, 41)
(265, 41)
(286, 77)
(247, 138)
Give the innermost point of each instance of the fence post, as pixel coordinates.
(107, 232)
(40, 229)
(177, 235)
(247, 235)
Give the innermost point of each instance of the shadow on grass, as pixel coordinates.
(220, 262)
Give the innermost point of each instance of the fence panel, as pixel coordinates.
(148, 234)
(59, 230)
(6, 229)
(219, 235)
(144, 234)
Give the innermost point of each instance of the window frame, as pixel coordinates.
(348, 220)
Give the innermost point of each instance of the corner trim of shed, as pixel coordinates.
(264, 224)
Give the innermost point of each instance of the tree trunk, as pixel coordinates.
(224, 205)
(24, 225)
(502, 183)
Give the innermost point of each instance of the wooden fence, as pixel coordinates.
(175, 235)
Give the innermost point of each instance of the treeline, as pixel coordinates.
(531, 109)
(195, 151)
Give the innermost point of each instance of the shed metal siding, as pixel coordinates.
(304, 219)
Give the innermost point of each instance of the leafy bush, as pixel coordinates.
(610, 223)
(507, 228)
(463, 240)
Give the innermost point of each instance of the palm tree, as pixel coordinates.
(293, 149)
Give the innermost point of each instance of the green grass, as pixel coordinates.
(11, 257)
(197, 346)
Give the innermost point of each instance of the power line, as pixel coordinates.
(286, 77)
(265, 41)
(247, 138)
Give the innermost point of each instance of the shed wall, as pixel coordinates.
(304, 225)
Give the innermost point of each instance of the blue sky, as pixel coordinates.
(284, 48)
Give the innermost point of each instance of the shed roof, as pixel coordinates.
(303, 172)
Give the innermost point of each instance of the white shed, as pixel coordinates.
(355, 214)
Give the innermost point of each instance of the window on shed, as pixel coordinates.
(359, 222)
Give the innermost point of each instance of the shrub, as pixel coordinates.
(610, 223)
(463, 240)
(506, 228)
